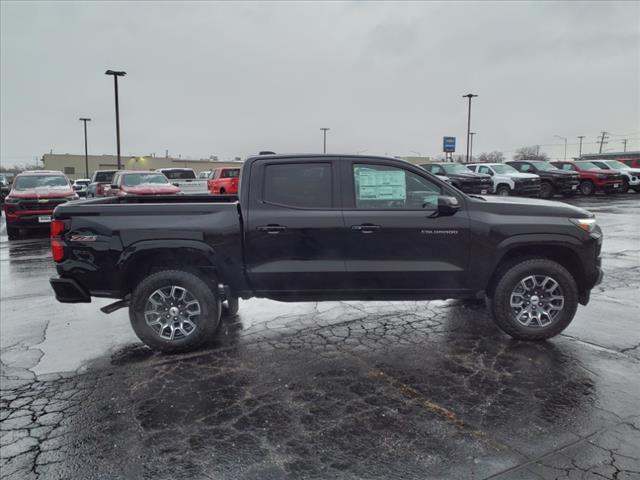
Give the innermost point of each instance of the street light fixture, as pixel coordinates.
(469, 96)
(324, 141)
(117, 74)
(565, 144)
(86, 151)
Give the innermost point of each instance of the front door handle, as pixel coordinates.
(366, 228)
(271, 229)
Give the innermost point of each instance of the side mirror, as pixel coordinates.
(114, 186)
(447, 205)
(175, 184)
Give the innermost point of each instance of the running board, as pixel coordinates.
(112, 307)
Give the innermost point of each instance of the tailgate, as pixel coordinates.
(192, 186)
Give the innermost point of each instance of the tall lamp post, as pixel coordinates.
(565, 144)
(471, 134)
(469, 96)
(86, 150)
(324, 140)
(117, 74)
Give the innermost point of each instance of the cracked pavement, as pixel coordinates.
(325, 390)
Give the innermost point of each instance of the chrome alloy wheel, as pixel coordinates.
(536, 301)
(172, 312)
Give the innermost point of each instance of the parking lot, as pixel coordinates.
(324, 390)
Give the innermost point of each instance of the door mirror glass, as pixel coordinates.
(114, 186)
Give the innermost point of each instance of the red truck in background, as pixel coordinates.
(33, 197)
(136, 182)
(224, 181)
(592, 178)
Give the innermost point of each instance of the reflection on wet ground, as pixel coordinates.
(329, 390)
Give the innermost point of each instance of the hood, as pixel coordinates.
(558, 172)
(43, 192)
(533, 207)
(470, 175)
(601, 171)
(524, 176)
(151, 190)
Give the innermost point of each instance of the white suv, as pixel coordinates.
(507, 180)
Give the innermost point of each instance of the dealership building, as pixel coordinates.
(73, 166)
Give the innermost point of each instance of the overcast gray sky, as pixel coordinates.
(227, 79)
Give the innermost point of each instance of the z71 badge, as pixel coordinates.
(83, 238)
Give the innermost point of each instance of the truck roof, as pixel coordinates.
(40, 172)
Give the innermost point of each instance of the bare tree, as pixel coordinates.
(530, 153)
(491, 157)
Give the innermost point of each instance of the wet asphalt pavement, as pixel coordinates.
(323, 390)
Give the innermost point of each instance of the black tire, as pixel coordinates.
(206, 322)
(503, 191)
(625, 186)
(230, 307)
(637, 189)
(587, 188)
(222, 191)
(509, 278)
(547, 190)
(13, 233)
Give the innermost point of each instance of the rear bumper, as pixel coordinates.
(68, 291)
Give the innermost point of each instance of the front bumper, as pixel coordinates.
(68, 291)
(28, 218)
(477, 187)
(527, 190)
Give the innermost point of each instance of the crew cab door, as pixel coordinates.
(395, 240)
(294, 232)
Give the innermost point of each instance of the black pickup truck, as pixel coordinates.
(552, 179)
(325, 227)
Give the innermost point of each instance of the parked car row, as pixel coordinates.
(537, 178)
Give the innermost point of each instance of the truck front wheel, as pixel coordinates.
(535, 299)
(546, 190)
(174, 311)
(503, 191)
(230, 307)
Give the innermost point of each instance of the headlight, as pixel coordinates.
(586, 224)
(73, 197)
(11, 200)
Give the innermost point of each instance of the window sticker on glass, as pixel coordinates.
(380, 184)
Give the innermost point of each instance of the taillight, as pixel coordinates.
(58, 227)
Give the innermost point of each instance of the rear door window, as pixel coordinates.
(231, 173)
(298, 185)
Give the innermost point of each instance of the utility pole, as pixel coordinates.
(565, 145)
(469, 96)
(86, 150)
(117, 74)
(471, 134)
(581, 137)
(602, 141)
(624, 143)
(537, 151)
(324, 140)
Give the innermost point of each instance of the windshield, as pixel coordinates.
(179, 174)
(503, 169)
(589, 166)
(104, 177)
(35, 181)
(455, 168)
(136, 179)
(617, 165)
(544, 166)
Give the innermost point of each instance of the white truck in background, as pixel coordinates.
(186, 180)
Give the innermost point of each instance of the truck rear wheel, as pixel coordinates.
(174, 311)
(534, 299)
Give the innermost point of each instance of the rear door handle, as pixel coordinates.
(366, 228)
(271, 229)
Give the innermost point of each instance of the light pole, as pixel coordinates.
(471, 134)
(581, 137)
(117, 74)
(86, 150)
(565, 144)
(324, 141)
(469, 96)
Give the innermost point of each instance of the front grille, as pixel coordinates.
(39, 205)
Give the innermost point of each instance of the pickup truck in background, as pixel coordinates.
(461, 177)
(552, 179)
(224, 181)
(32, 198)
(100, 183)
(140, 182)
(325, 227)
(592, 178)
(185, 179)
(507, 180)
(630, 176)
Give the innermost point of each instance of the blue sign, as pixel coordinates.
(448, 144)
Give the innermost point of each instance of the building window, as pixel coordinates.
(70, 170)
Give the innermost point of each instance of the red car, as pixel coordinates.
(33, 196)
(592, 178)
(136, 182)
(224, 181)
